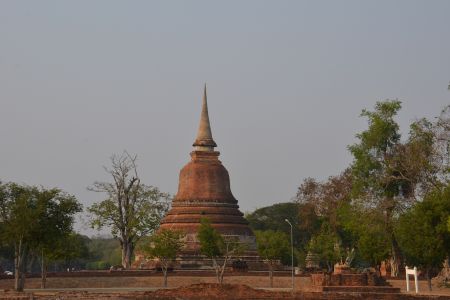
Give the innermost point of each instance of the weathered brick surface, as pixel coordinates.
(204, 192)
(364, 279)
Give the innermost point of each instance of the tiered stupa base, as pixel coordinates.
(204, 192)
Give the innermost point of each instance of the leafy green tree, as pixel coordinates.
(28, 215)
(103, 249)
(132, 210)
(272, 246)
(376, 180)
(327, 246)
(66, 247)
(272, 218)
(422, 232)
(366, 230)
(164, 245)
(219, 248)
(326, 197)
(323, 201)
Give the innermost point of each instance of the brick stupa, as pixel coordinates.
(204, 192)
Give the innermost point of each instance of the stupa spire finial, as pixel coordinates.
(204, 140)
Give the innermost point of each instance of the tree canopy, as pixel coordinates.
(132, 209)
(422, 232)
(34, 218)
(164, 245)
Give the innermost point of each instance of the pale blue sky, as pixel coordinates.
(81, 80)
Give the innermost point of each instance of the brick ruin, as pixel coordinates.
(204, 192)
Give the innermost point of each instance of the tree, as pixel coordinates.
(376, 180)
(31, 216)
(65, 247)
(216, 246)
(326, 197)
(132, 209)
(325, 200)
(272, 246)
(272, 218)
(326, 244)
(422, 232)
(164, 245)
(104, 253)
(390, 175)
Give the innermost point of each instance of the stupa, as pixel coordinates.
(204, 192)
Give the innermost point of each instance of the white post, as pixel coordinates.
(407, 279)
(416, 281)
(413, 272)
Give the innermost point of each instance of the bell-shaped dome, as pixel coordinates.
(204, 192)
(204, 179)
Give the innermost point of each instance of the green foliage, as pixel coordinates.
(369, 169)
(132, 209)
(273, 245)
(422, 232)
(69, 248)
(104, 249)
(140, 217)
(216, 246)
(211, 242)
(35, 216)
(33, 219)
(366, 231)
(326, 245)
(165, 244)
(98, 265)
(272, 218)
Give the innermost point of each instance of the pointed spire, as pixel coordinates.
(204, 140)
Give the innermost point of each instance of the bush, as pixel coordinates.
(98, 265)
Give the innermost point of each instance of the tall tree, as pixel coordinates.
(422, 232)
(376, 180)
(64, 246)
(327, 245)
(131, 209)
(272, 246)
(327, 197)
(219, 248)
(164, 245)
(30, 216)
(272, 218)
(367, 231)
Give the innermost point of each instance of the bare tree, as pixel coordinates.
(131, 209)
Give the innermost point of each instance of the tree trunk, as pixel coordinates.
(19, 264)
(217, 269)
(43, 271)
(395, 251)
(222, 271)
(428, 279)
(271, 274)
(127, 252)
(17, 274)
(164, 269)
(394, 261)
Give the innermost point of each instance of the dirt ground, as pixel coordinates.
(423, 287)
(281, 283)
(154, 281)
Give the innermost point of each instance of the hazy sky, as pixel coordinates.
(287, 80)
